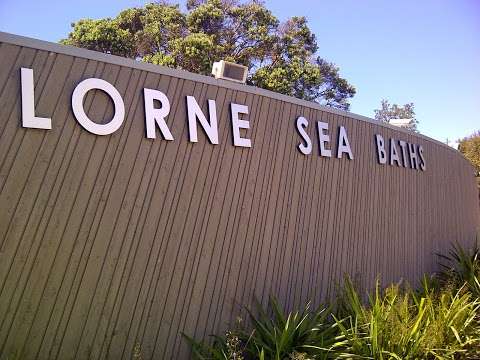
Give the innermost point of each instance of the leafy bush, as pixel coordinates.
(399, 324)
(461, 267)
(440, 320)
(281, 336)
(223, 348)
(301, 334)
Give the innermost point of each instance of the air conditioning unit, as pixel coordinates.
(229, 71)
(403, 123)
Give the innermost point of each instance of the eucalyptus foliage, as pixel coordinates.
(280, 56)
(470, 148)
(389, 111)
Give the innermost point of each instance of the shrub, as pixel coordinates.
(461, 267)
(440, 320)
(301, 334)
(399, 324)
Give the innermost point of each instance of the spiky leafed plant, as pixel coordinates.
(276, 335)
(306, 333)
(401, 324)
(461, 267)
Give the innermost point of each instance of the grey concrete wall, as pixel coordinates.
(110, 241)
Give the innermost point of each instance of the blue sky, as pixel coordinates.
(426, 52)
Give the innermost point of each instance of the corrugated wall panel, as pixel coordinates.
(112, 242)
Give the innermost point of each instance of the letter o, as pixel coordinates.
(79, 112)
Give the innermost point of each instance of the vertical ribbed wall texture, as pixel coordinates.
(111, 241)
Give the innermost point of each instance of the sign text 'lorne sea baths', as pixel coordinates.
(389, 151)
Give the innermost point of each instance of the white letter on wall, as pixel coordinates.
(29, 120)
(394, 153)
(79, 112)
(403, 145)
(412, 151)
(157, 116)
(381, 155)
(302, 124)
(343, 144)
(194, 112)
(238, 124)
(423, 164)
(323, 139)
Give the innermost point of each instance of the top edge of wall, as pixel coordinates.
(163, 70)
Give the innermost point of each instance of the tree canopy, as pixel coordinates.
(470, 148)
(280, 56)
(389, 111)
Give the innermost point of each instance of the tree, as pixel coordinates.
(388, 112)
(470, 148)
(281, 57)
